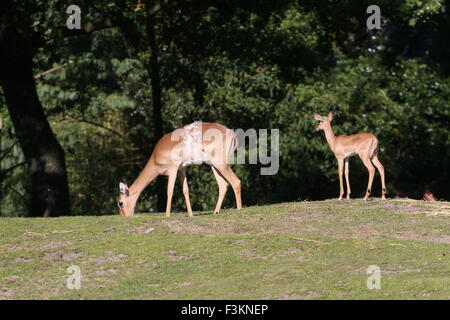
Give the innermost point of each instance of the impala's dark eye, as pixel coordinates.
(120, 204)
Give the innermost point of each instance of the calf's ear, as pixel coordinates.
(330, 116)
(123, 188)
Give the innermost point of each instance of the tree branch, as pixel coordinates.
(88, 27)
(97, 125)
(8, 150)
(4, 172)
(53, 69)
(16, 191)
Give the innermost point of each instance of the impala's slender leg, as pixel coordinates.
(223, 186)
(237, 189)
(170, 186)
(380, 168)
(347, 181)
(229, 175)
(238, 192)
(183, 179)
(371, 168)
(340, 172)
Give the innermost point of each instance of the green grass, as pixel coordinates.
(300, 250)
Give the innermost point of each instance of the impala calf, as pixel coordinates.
(196, 143)
(365, 145)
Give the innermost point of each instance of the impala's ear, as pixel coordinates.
(123, 188)
(330, 116)
(317, 116)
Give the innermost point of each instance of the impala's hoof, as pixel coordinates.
(340, 199)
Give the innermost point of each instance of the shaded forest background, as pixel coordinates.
(138, 69)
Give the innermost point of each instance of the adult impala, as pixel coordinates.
(365, 145)
(196, 143)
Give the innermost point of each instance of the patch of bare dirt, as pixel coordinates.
(251, 254)
(21, 259)
(393, 271)
(48, 246)
(103, 272)
(143, 229)
(398, 207)
(185, 284)
(55, 245)
(13, 248)
(292, 250)
(375, 234)
(414, 236)
(176, 226)
(10, 279)
(213, 227)
(308, 295)
(268, 275)
(109, 257)
(6, 293)
(60, 255)
(110, 229)
(411, 206)
(172, 255)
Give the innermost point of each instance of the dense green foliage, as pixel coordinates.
(259, 65)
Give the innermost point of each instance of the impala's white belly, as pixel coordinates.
(350, 154)
(197, 161)
(193, 153)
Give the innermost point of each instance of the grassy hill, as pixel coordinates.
(300, 250)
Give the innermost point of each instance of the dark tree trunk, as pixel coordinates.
(43, 154)
(156, 104)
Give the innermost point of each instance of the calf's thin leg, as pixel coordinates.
(223, 186)
(183, 179)
(340, 172)
(380, 169)
(371, 169)
(347, 180)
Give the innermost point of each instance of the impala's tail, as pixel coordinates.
(233, 143)
(374, 147)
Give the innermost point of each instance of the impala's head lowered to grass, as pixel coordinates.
(124, 200)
